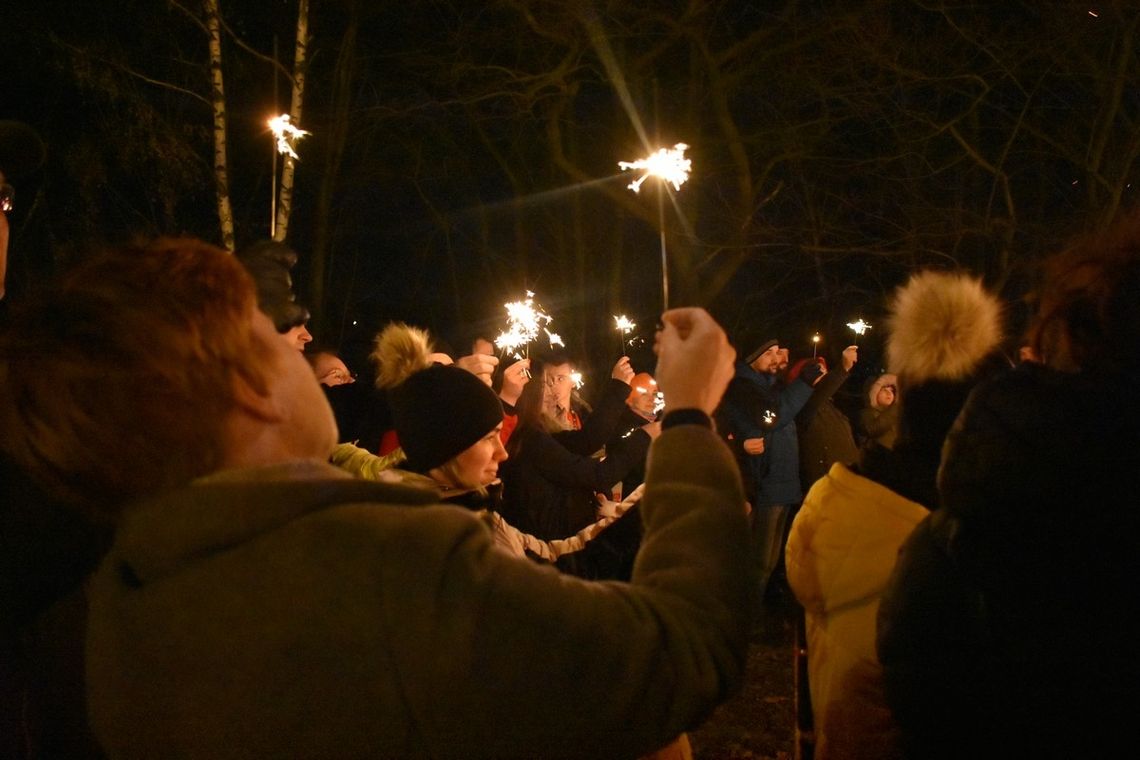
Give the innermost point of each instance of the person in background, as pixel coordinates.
(943, 336)
(823, 431)
(246, 566)
(269, 263)
(879, 419)
(1009, 627)
(329, 368)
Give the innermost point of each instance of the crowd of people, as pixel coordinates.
(222, 541)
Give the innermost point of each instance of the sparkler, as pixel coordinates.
(669, 165)
(524, 319)
(576, 378)
(554, 338)
(859, 327)
(624, 327)
(814, 344)
(285, 135)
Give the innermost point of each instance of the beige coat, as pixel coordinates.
(296, 612)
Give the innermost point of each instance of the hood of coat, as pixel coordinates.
(157, 536)
(875, 384)
(844, 541)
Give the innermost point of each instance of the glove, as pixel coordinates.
(811, 372)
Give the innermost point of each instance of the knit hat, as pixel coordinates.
(439, 411)
(944, 335)
(21, 150)
(798, 367)
(755, 354)
(269, 262)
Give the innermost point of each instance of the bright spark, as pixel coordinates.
(815, 338)
(658, 402)
(859, 327)
(576, 378)
(554, 338)
(623, 324)
(1094, 14)
(524, 319)
(287, 135)
(669, 164)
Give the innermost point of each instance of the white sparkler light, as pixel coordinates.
(554, 338)
(658, 402)
(859, 327)
(576, 378)
(287, 135)
(524, 319)
(669, 164)
(623, 324)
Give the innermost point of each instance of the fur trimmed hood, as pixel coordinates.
(942, 326)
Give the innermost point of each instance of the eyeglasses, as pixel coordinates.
(7, 197)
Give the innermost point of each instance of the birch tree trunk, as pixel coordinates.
(300, 63)
(218, 100)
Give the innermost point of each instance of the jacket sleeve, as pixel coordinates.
(601, 424)
(790, 400)
(536, 659)
(562, 467)
(820, 393)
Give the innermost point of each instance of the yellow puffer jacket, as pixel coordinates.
(840, 555)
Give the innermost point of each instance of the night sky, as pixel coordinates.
(465, 152)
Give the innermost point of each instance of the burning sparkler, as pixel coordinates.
(554, 338)
(524, 319)
(859, 327)
(814, 344)
(286, 135)
(624, 327)
(576, 378)
(669, 165)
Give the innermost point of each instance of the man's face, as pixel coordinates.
(558, 387)
(307, 428)
(781, 360)
(768, 362)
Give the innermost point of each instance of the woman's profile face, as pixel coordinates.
(885, 396)
(478, 465)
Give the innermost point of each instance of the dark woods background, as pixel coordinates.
(464, 152)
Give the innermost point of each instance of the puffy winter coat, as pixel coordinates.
(1011, 624)
(839, 556)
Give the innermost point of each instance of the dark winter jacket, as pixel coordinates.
(775, 473)
(1011, 621)
(824, 432)
(550, 479)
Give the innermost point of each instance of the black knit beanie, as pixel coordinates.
(440, 412)
(269, 262)
(755, 353)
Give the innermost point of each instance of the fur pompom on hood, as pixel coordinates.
(400, 351)
(942, 325)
